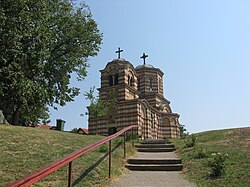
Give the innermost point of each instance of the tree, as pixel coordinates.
(42, 43)
(183, 131)
(99, 107)
(74, 130)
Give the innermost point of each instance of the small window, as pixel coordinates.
(153, 120)
(139, 85)
(116, 79)
(111, 80)
(150, 85)
(131, 82)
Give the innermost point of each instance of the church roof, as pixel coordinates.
(119, 59)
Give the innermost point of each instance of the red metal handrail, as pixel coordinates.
(44, 171)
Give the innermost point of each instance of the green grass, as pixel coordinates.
(23, 150)
(234, 142)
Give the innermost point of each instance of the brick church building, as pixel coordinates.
(140, 101)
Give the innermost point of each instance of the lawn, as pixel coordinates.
(25, 149)
(233, 144)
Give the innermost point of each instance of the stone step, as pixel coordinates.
(155, 141)
(155, 167)
(155, 146)
(155, 149)
(154, 161)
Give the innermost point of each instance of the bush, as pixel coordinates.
(199, 153)
(130, 136)
(190, 141)
(217, 164)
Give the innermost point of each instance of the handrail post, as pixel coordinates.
(70, 175)
(110, 158)
(124, 144)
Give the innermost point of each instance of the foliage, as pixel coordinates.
(183, 131)
(130, 136)
(208, 158)
(217, 163)
(199, 152)
(190, 141)
(99, 107)
(74, 130)
(40, 115)
(42, 44)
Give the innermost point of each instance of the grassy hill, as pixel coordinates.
(213, 148)
(23, 150)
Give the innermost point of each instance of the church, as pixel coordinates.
(140, 101)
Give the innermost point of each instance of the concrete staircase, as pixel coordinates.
(155, 155)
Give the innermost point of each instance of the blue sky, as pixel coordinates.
(203, 47)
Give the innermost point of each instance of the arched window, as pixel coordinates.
(139, 84)
(111, 81)
(116, 79)
(150, 85)
(153, 120)
(131, 82)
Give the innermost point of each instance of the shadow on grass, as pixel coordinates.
(88, 170)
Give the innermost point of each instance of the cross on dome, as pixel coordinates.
(119, 52)
(144, 56)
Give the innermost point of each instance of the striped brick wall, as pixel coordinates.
(131, 109)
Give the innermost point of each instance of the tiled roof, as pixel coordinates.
(84, 130)
(44, 126)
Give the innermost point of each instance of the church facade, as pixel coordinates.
(140, 101)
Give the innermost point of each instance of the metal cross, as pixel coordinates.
(144, 56)
(119, 52)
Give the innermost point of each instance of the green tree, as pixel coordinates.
(42, 43)
(183, 131)
(39, 115)
(74, 130)
(99, 107)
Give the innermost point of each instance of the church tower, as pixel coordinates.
(140, 101)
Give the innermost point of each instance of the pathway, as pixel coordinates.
(142, 177)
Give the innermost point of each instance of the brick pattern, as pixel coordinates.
(140, 96)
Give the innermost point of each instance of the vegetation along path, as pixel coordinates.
(156, 165)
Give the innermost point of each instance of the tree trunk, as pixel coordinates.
(15, 119)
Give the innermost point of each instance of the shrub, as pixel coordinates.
(190, 141)
(199, 153)
(217, 164)
(130, 136)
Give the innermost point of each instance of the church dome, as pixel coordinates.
(119, 59)
(144, 66)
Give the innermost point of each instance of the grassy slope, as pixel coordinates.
(23, 150)
(234, 142)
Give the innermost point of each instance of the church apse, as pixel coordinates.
(140, 101)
